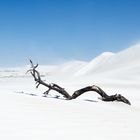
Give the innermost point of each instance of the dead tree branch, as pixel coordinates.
(62, 91)
(39, 81)
(104, 96)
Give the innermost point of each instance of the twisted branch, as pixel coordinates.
(62, 91)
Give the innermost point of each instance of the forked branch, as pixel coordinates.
(62, 91)
(51, 86)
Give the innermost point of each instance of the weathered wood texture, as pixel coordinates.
(62, 91)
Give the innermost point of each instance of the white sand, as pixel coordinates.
(27, 117)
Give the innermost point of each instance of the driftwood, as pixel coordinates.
(62, 91)
(104, 96)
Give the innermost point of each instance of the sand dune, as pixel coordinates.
(37, 118)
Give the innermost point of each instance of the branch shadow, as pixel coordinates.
(50, 96)
(88, 100)
(22, 92)
(54, 97)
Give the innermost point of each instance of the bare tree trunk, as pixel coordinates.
(62, 91)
